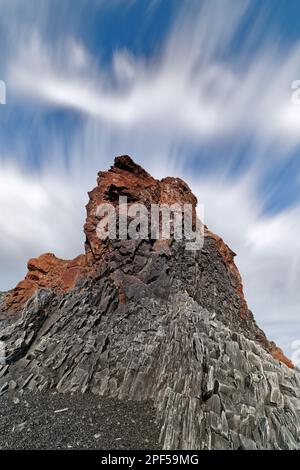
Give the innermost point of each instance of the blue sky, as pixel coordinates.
(197, 89)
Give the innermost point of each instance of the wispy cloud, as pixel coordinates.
(206, 91)
(190, 87)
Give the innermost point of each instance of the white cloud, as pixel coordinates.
(188, 88)
(38, 214)
(192, 94)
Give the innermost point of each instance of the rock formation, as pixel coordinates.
(47, 271)
(148, 319)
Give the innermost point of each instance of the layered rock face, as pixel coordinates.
(46, 271)
(148, 319)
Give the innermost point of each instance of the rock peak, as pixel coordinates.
(126, 163)
(210, 275)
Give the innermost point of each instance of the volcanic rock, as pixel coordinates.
(46, 271)
(149, 320)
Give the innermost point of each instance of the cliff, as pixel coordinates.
(147, 319)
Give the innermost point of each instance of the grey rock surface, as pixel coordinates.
(171, 335)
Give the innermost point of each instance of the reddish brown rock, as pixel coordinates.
(273, 349)
(278, 354)
(126, 178)
(46, 271)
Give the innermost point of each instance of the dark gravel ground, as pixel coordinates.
(88, 422)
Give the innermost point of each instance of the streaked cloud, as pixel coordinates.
(202, 92)
(187, 88)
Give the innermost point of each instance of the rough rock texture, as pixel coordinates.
(127, 179)
(53, 421)
(155, 321)
(45, 271)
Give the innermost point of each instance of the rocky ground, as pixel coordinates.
(56, 421)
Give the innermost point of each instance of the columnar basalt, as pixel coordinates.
(150, 320)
